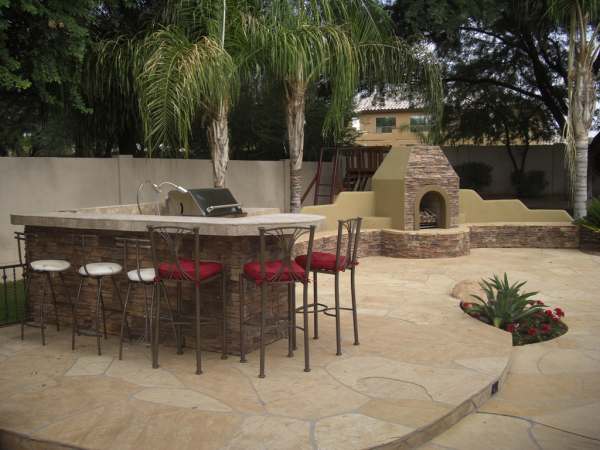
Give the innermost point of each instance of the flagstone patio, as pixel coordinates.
(422, 366)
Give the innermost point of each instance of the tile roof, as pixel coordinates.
(375, 102)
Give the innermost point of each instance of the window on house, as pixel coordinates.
(385, 124)
(419, 124)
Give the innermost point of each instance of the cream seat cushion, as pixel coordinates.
(50, 265)
(100, 269)
(148, 275)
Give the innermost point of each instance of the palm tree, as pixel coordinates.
(187, 73)
(340, 42)
(178, 72)
(580, 17)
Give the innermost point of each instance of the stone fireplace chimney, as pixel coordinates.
(418, 188)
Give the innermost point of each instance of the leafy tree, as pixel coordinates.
(42, 46)
(514, 46)
(114, 118)
(260, 126)
(490, 115)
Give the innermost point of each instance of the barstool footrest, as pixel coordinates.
(311, 308)
(35, 324)
(88, 332)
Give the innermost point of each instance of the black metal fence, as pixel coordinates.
(12, 294)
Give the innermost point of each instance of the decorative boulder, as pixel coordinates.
(465, 289)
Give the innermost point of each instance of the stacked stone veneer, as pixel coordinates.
(58, 243)
(528, 235)
(454, 242)
(428, 167)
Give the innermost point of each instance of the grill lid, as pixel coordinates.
(209, 202)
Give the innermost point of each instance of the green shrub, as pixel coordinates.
(504, 302)
(592, 219)
(529, 184)
(506, 307)
(474, 175)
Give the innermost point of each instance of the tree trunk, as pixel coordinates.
(296, 98)
(581, 169)
(218, 140)
(584, 101)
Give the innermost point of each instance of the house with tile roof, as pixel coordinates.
(389, 120)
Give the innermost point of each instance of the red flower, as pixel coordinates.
(467, 305)
(559, 312)
(532, 331)
(540, 303)
(546, 328)
(511, 328)
(549, 313)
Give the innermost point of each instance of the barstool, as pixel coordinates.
(333, 264)
(283, 270)
(45, 267)
(96, 271)
(146, 277)
(170, 263)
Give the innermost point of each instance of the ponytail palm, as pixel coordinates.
(340, 42)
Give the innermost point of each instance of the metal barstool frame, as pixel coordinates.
(101, 311)
(350, 227)
(138, 245)
(286, 239)
(24, 239)
(173, 237)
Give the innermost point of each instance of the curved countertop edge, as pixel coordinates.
(211, 226)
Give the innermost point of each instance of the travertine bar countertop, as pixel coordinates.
(123, 218)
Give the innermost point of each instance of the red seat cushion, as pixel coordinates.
(272, 271)
(170, 271)
(322, 261)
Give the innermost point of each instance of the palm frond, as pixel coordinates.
(180, 80)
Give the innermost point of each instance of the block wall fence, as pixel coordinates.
(49, 184)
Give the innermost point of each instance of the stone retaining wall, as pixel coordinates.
(589, 240)
(454, 242)
(524, 235)
(443, 244)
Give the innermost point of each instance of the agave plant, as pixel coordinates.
(504, 302)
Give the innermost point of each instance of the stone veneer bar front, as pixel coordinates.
(232, 241)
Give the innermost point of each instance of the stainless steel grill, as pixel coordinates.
(207, 202)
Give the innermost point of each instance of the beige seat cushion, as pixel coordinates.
(148, 275)
(50, 265)
(100, 269)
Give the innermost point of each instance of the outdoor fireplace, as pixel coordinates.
(418, 188)
(432, 211)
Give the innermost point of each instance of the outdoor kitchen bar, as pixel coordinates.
(231, 239)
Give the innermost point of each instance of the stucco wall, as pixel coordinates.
(347, 205)
(473, 209)
(547, 158)
(50, 184)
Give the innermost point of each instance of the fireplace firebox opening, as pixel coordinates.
(432, 211)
